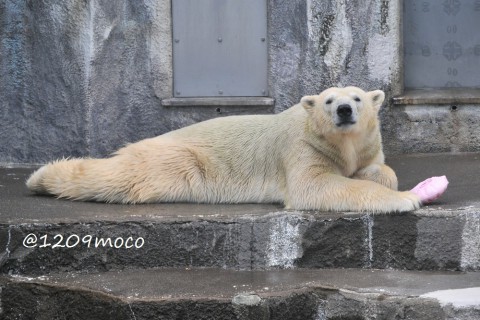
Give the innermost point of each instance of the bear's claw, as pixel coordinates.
(431, 189)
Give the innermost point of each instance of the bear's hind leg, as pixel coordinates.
(176, 173)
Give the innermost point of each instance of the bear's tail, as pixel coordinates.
(82, 179)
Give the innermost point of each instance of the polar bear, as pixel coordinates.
(324, 153)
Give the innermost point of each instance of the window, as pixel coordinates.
(220, 48)
(441, 44)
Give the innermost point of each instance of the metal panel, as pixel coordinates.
(220, 47)
(442, 43)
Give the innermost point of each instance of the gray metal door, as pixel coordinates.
(220, 48)
(442, 43)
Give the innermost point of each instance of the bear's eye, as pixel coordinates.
(357, 99)
(329, 101)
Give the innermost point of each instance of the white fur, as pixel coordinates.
(300, 157)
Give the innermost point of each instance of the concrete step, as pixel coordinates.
(227, 294)
(273, 239)
(100, 237)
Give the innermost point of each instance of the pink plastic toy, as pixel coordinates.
(431, 189)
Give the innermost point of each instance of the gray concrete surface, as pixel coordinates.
(223, 294)
(18, 205)
(440, 236)
(268, 263)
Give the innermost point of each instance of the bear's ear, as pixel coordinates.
(308, 102)
(377, 97)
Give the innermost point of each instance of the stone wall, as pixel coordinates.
(81, 78)
(85, 77)
(318, 44)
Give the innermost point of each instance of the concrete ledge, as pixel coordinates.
(201, 109)
(223, 294)
(439, 96)
(420, 241)
(219, 102)
(93, 236)
(87, 260)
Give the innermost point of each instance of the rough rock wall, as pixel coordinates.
(317, 44)
(85, 77)
(80, 78)
(430, 129)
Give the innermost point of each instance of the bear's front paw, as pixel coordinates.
(410, 201)
(431, 189)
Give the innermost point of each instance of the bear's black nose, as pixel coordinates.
(344, 111)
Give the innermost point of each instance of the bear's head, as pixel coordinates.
(344, 110)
